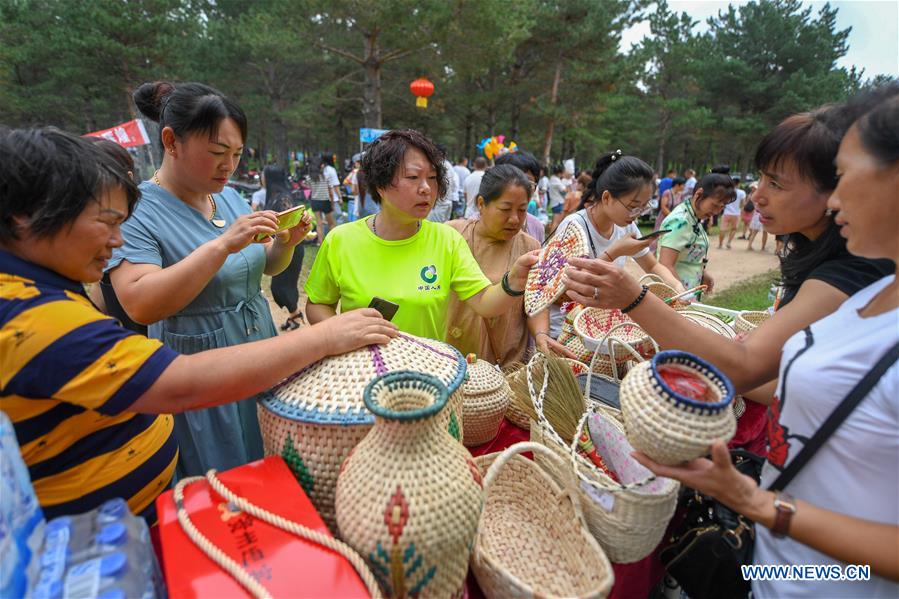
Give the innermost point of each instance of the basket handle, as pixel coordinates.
(606, 341)
(694, 290)
(570, 488)
(615, 486)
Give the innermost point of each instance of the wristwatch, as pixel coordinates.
(785, 507)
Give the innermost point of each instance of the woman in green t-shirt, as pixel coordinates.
(399, 256)
(683, 251)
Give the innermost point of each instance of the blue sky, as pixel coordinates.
(873, 41)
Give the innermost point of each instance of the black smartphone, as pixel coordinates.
(387, 309)
(654, 234)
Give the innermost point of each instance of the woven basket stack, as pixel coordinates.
(315, 417)
(750, 319)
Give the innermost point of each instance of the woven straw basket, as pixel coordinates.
(485, 398)
(409, 496)
(668, 427)
(544, 285)
(532, 541)
(750, 319)
(315, 417)
(596, 326)
(710, 322)
(629, 519)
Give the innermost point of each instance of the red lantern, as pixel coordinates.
(422, 89)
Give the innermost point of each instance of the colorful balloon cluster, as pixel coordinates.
(494, 146)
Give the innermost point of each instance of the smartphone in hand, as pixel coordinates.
(386, 308)
(286, 220)
(654, 234)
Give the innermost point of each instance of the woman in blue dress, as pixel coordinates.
(189, 266)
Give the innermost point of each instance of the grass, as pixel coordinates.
(751, 294)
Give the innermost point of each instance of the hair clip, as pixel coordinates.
(616, 154)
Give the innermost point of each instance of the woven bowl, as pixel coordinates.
(710, 322)
(315, 417)
(750, 319)
(596, 327)
(668, 427)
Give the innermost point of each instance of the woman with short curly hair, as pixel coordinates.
(398, 255)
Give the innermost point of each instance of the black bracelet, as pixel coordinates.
(637, 301)
(509, 290)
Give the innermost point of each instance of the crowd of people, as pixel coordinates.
(102, 411)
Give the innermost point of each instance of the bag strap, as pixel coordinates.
(836, 418)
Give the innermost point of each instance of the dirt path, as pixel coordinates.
(728, 267)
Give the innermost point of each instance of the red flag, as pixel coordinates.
(127, 135)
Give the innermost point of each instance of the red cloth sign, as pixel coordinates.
(128, 135)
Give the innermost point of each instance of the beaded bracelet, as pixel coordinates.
(509, 290)
(637, 301)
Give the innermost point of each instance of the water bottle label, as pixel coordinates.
(82, 580)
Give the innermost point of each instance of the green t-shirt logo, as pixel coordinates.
(429, 274)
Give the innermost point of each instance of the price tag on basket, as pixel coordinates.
(544, 284)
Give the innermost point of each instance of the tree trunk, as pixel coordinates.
(469, 126)
(553, 100)
(663, 142)
(371, 90)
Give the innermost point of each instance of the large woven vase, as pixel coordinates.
(315, 417)
(409, 495)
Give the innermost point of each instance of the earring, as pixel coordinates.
(828, 212)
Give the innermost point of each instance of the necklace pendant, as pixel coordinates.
(218, 222)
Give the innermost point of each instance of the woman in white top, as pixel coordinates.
(618, 193)
(845, 509)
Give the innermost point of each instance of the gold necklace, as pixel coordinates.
(216, 222)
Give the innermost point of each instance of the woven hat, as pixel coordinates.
(485, 397)
(316, 416)
(544, 284)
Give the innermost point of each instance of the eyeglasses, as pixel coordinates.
(635, 211)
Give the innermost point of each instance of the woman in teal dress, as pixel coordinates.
(189, 266)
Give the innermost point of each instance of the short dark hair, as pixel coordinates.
(188, 108)
(809, 141)
(480, 162)
(678, 181)
(617, 174)
(721, 169)
(711, 183)
(383, 158)
(497, 179)
(557, 169)
(523, 160)
(49, 176)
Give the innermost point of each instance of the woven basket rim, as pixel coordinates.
(357, 414)
(400, 380)
(605, 348)
(684, 358)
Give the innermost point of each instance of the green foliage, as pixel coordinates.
(751, 294)
(549, 74)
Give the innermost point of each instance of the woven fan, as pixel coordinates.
(545, 278)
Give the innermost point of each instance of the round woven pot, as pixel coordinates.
(531, 539)
(409, 496)
(596, 327)
(315, 417)
(668, 427)
(485, 397)
(750, 319)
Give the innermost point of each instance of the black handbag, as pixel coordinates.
(705, 552)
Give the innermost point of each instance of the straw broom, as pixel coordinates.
(563, 405)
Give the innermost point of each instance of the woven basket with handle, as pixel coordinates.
(532, 540)
(750, 319)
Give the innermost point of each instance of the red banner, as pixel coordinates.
(127, 135)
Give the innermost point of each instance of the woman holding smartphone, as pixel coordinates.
(617, 194)
(190, 268)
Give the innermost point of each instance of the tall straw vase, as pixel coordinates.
(409, 495)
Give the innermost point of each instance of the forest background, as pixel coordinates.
(548, 74)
